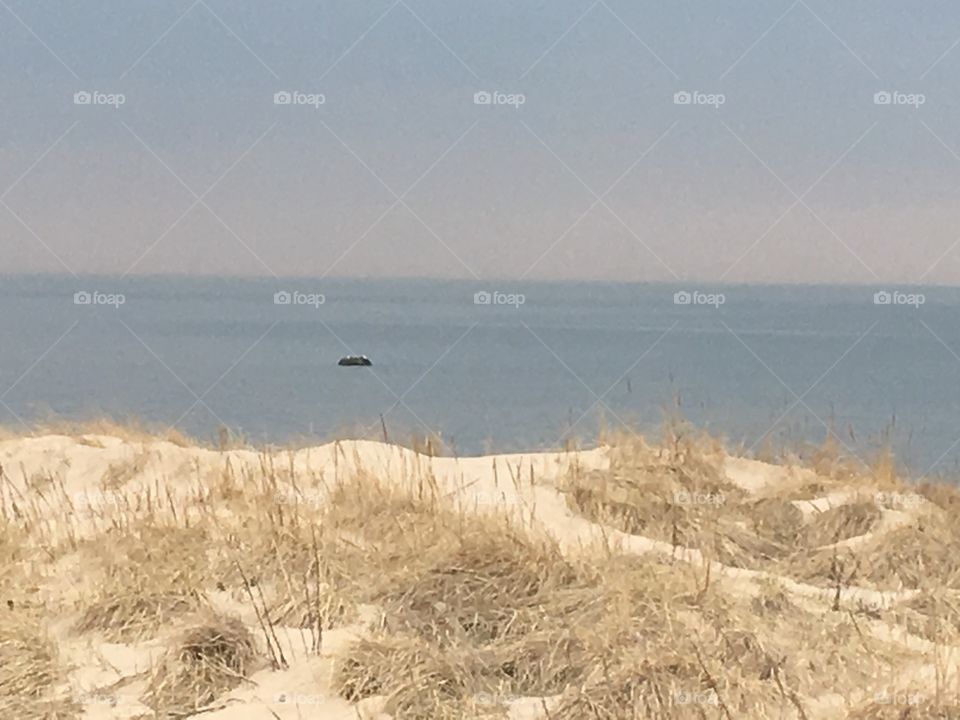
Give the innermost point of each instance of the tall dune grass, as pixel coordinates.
(459, 613)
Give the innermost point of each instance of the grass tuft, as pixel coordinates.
(205, 661)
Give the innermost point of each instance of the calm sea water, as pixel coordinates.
(770, 363)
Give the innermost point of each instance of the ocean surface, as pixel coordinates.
(537, 365)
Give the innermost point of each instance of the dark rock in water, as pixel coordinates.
(355, 361)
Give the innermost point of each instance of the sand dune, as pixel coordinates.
(79, 512)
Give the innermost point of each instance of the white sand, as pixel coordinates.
(521, 483)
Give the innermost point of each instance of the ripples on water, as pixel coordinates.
(504, 377)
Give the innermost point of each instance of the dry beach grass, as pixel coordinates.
(145, 578)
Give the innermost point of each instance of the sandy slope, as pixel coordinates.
(303, 689)
(523, 483)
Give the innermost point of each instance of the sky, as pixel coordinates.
(772, 141)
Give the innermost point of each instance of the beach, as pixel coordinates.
(153, 577)
(418, 360)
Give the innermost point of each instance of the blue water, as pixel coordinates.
(488, 377)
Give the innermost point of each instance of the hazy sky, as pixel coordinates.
(800, 175)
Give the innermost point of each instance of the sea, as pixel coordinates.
(491, 365)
